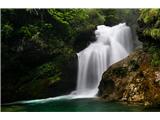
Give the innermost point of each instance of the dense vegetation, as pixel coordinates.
(149, 24)
(149, 33)
(39, 47)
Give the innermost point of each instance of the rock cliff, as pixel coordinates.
(132, 80)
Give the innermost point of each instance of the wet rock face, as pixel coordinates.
(132, 80)
(106, 88)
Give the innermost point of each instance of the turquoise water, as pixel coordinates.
(72, 105)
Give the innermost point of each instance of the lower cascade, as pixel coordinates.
(112, 45)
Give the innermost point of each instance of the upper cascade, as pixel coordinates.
(112, 45)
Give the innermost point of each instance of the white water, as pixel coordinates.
(112, 45)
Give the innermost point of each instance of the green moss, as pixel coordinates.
(155, 61)
(155, 55)
(120, 71)
(134, 65)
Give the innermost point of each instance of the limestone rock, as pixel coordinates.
(132, 80)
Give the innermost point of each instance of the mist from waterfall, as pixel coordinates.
(112, 45)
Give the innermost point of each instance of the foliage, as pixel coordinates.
(46, 70)
(153, 32)
(155, 55)
(39, 43)
(149, 33)
(154, 51)
(7, 29)
(149, 25)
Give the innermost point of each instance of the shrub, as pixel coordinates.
(149, 25)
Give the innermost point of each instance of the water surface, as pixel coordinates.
(74, 105)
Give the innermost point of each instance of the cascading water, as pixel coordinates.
(112, 44)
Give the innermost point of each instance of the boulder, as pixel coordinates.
(132, 80)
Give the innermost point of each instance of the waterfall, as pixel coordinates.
(112, 45)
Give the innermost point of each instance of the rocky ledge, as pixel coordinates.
(132, 80)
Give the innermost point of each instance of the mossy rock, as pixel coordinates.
(134, 80)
